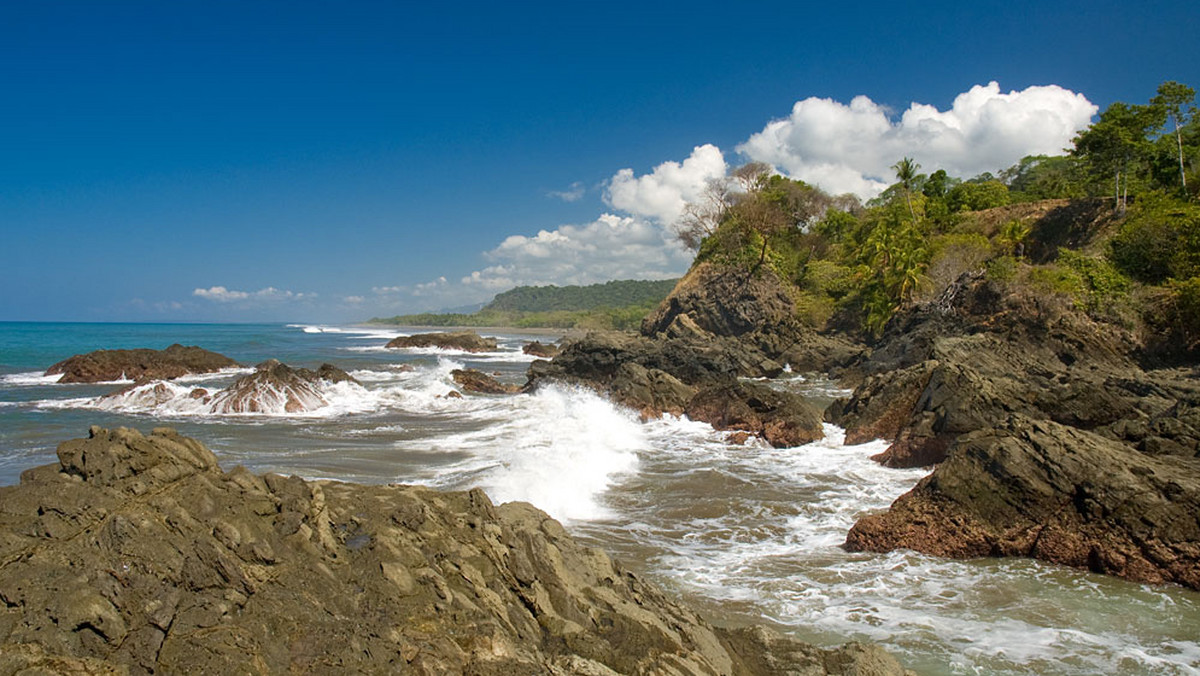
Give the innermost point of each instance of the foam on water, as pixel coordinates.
(560, 449)
(32, 378)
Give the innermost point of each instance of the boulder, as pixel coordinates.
(139, 364)
(275, 387)
(138, 554)
(724, 301)
(463, 341)
(652, 392)
(474, 380)
(541, 350)
(783, 419)
(1045, 490)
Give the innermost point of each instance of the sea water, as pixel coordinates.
(745, 532)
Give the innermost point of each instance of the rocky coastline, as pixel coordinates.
(139, 554)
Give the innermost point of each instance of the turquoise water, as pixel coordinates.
(747, 533)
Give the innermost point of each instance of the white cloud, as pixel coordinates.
(573, 193)
(221, 294)
(611, 247)
(662, 194)
(355, 300)
(851, 148)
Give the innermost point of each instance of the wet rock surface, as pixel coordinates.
(1053, 442)
(474, 380)
(541, 350)
(1045, 490)
(275, 387)
(138, 554)
(139, 364)
(464, 341)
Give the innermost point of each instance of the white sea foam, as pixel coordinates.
(31, 378)
(559, 449)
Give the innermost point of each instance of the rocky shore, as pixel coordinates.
(138, 554)
(1046, 434)
(139, 364)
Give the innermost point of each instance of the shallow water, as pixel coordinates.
(746, 532)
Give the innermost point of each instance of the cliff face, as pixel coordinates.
(138, 554)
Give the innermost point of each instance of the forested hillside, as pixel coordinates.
(611, 305)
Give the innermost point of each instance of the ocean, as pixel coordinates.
(746, 533)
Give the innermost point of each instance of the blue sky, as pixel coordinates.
(304, 161)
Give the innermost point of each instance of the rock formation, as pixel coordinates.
(1041, 489)
(464, 341)
(541, 350)
(137, 554)
(275, 387)
(474, 380)
(139, 364)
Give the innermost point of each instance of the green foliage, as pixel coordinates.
(1159, 240)
(952, 255)
(1101, 284)
(977, 196)
(1184, 309)
(612, 305)
(1002, 269)
(1040, 177)
(572, 298)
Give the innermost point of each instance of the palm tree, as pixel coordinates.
(906, 173)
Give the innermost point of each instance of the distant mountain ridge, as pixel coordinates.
(609, 305)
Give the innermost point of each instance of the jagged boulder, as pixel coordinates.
(139, 364)
(724, 301)
(783, 419)
(463, 341)
(275, 387)
(537, 348)
(1049, 491)
(137, 554)
(474, 380)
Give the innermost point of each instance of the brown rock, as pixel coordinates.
(540, 349)
(137, 554)
(474, 380)
(783, 419)
(1044, 490)
(465, 341)
(139, 364)
(276, 387)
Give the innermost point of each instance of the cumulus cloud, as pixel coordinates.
(851, 148)
(662, 194)
(611, 247)
(573, 193)
(221, 294)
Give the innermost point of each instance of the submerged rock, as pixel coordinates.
(139, 364)
(1048, 491)
(465, 341)
(275, 387)
(138, 554)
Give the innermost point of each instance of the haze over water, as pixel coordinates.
(747, 533)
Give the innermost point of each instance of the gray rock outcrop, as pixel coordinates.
(137, 554)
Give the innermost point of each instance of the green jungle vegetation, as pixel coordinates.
(611, 305)
(1112, 227)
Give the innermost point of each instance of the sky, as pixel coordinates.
(330, 162)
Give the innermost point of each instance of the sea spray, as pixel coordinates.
(559, 449)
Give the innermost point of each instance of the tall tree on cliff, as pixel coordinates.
(1118, 145)
(906, 173)
(1175, 100)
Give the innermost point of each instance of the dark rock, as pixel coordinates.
(464, 341)
(652, 392)
(723, 301)
(474, 380)
(137, 554)
(783, 419)
(275, 387)
(139, 364)
(542, 350)
(1044, 490)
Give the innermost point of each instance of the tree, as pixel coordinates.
(701, 218)
(1118, 144)
(1175, 102)
(906, 173)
